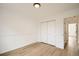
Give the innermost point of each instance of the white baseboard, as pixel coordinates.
(1, 52)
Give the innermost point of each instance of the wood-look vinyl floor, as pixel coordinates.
(39, 49)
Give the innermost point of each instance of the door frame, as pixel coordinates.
(67, 21)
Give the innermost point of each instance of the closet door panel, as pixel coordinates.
(44, 32)
(52, 32)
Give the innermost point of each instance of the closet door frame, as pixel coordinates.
(47, 30)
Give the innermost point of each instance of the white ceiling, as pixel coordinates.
(46, 9)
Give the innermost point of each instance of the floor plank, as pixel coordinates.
(38, 49)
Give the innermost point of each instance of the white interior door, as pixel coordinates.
(43, 32)
(52, 32)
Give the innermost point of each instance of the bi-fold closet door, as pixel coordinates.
(48, 32)
(43, 32)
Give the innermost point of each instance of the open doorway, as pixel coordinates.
(71, 35)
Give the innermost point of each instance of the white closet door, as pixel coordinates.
(43, 32)
(52, 32)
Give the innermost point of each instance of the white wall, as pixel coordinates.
(16, 29)
(59, 25)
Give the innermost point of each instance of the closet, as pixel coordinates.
(48, 32)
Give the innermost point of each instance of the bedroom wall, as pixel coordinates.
(59, 25)
(16, 29)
